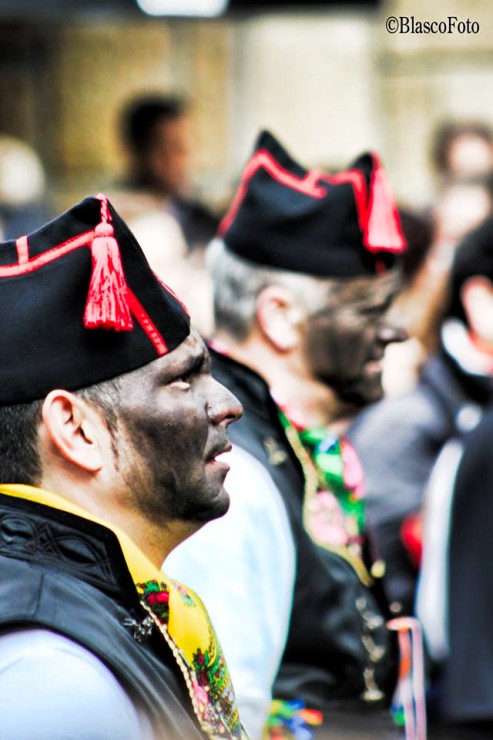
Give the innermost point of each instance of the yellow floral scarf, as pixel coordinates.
(181, 619)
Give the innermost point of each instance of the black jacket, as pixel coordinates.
(336, 630)
(466, 673)
(67, 574)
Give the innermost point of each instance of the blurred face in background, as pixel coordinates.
(477, 301)
(167, 159)
(460, 208)
(469, 155)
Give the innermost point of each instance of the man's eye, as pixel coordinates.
(184, 381)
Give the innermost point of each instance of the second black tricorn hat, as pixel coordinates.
(79, 304)
(344, 225)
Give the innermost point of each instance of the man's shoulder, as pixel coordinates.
(250, 479)
(237, 376)
(38, 664)
(46, 598)
(260, 419)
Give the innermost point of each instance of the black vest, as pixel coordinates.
(68, 574)
(337, 633)
(465, 680)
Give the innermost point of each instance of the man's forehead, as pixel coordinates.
(189, 353)
(194, 346)
(191, 349)
(372, 288)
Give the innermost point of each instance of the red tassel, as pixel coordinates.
(107, 300)
(383, 228)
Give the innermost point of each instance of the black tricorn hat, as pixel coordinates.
(79, 304)
(343, 226)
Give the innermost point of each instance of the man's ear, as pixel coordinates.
(74, 429)
(278, 317)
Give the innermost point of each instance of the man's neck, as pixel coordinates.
(154, 539)
(308, 401)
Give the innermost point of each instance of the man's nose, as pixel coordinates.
(389, 332)
(224, 407)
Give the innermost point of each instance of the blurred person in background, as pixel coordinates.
(462, 159)
(403, 360)
(460, 207)
(433, 237)
(156, 132)
(399, 439)
(154, 198)
(455, 601)
(162, 240)
(23, 202)
(304, 272)
(461, 149)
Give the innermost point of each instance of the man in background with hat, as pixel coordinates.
(303, 273)
(110, 429)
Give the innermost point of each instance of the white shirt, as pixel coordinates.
(51, 688)
(243, 567)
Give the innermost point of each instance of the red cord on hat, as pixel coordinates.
(107, 300)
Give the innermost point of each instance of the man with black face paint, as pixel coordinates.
(304, 270)
(344, 341)
(110, 430)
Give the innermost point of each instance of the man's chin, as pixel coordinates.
(215, 508)
(359, 398)
(373, 395)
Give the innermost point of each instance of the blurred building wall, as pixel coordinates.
(425, 79)
(329, 83)
(102, 66)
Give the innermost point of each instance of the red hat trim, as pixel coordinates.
(377, 214)
(308, 185)
(26, 265)
(146, 323)
(264, 159)
(22, 267)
